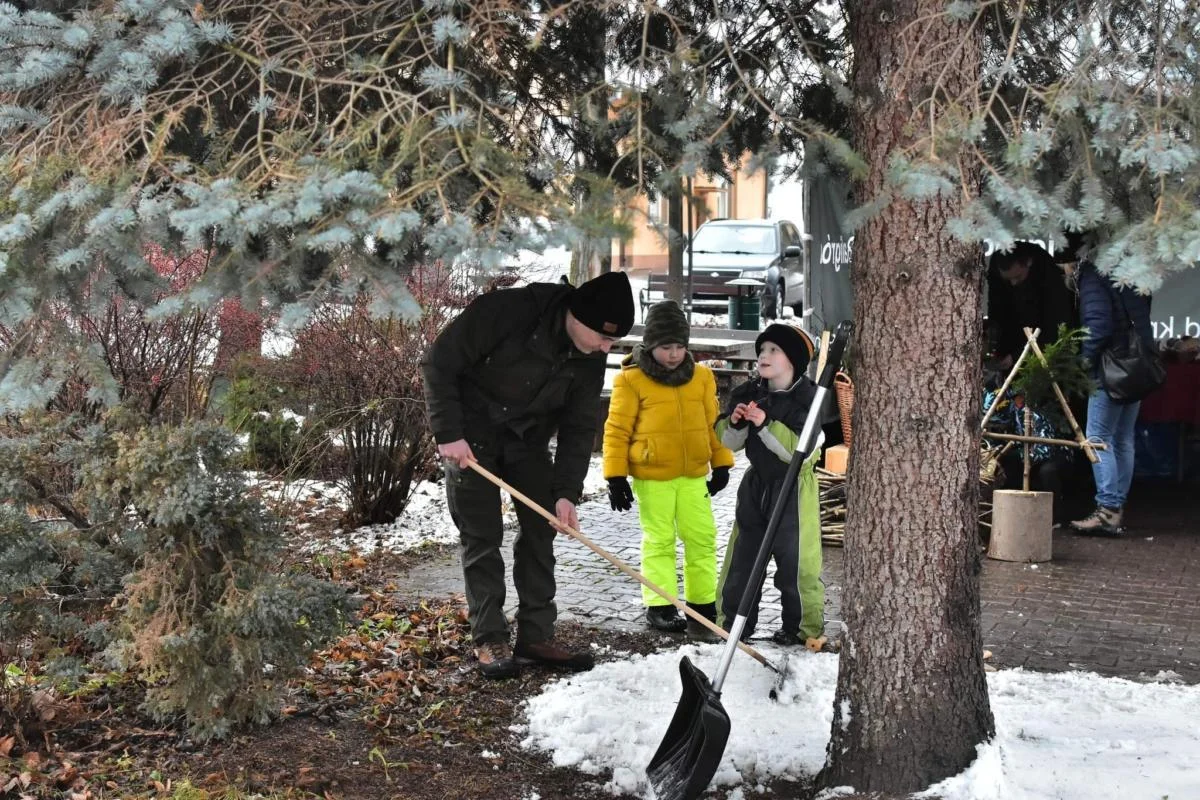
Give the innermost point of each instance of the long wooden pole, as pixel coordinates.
(1012, 437)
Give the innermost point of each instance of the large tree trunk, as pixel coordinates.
(912, 698)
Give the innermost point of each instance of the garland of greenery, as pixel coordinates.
(1064, 366)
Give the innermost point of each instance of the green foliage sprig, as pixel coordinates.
(1065, 366)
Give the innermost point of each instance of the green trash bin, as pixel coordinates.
(745, 307)
(744, 312)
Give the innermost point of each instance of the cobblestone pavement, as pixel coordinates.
(1127, 607)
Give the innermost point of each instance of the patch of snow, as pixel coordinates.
(1059, 736)
(425, 520)
(298, 491)
(611, 720)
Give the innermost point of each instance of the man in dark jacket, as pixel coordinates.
(516, 366)
(1104, 308)
(1026, 289)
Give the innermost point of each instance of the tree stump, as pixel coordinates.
(1022, 524)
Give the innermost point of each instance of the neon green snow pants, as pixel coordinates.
(677, 508)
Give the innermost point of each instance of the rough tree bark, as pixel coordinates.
(912, 698)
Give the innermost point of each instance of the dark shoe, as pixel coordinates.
(496, 660)
(1101, 522)
(551, 655)
(665, 618)
(695, 629)
(786, 638)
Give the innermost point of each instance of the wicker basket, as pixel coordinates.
(843, 387)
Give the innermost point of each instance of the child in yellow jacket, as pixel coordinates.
(660, 431)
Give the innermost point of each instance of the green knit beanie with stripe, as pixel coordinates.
(665, 324)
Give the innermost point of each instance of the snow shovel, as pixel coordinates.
(780, 671)
(692, 747)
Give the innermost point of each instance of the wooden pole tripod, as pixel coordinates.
(1081, 441)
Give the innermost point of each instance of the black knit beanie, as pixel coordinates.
(794, 343)
(604, 304)
(666, 324)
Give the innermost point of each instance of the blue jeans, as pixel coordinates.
(1112, 423)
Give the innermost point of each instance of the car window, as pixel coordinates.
(755, 239)
(790, 236)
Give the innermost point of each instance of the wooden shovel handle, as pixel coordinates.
(621, 565)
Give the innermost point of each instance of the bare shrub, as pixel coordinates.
(361, 382)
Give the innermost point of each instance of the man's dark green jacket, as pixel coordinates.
(504, 375)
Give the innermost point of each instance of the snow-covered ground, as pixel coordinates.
(1064, 736)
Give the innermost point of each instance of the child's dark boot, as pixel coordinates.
(785, 638)
(665, 618)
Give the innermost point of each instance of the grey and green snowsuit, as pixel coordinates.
(797, 545)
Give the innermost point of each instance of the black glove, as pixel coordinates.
(718, 481)
(620, 495)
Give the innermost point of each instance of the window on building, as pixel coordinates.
(721, 190)
(656, 209)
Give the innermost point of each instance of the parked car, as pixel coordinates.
(771, 251)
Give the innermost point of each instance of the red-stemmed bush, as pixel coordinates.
(360, 379)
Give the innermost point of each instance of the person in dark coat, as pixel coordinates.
(1103, 306)
(514, 368)
(1026, 289)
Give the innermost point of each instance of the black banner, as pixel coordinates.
(830, 296)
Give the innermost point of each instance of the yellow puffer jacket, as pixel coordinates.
(659, 432)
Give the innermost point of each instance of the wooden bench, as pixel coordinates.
(708, 293)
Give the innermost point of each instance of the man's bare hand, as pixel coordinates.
(458, 451)
(565, 511)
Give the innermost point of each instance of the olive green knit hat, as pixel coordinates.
(666, 324)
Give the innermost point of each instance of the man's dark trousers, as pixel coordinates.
(474, 504)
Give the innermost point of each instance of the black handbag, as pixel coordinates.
(1130, 367)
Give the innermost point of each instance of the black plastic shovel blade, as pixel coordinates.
(692, 747)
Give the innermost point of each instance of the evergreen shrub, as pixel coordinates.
(207, 621)
(141, 543)
(259, 407)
